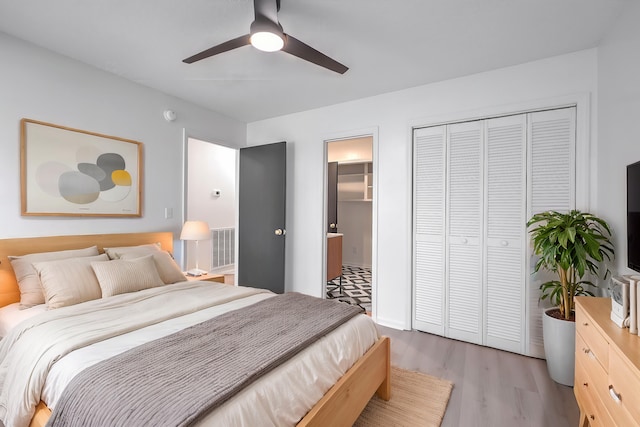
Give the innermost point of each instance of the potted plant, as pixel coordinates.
(571, 245)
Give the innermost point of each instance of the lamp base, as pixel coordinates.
(195, 272)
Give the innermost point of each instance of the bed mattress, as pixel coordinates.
(281, 397)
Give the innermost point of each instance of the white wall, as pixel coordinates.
(38, 84)
(619, 114)
(209, 167)
(393, 115)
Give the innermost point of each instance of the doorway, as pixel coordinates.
(349, 201)
(240, 195)
(210, 196)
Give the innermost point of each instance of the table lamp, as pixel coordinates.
(195, 230)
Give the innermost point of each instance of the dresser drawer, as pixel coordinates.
(588, 400)
(594, 342)
(624, 382)
(596, 372)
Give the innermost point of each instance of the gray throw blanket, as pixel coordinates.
(178, 379)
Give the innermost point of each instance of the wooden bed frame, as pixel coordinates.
(340, 406)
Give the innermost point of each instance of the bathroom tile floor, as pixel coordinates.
(356, 287)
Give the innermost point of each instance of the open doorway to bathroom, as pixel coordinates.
(210, 196)
(350, 220)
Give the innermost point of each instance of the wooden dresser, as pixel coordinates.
(607, 380)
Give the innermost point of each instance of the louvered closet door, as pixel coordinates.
(464, 231)
(428, 253)
(551, 181)
(505, 198)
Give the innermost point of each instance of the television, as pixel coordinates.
(633, 216)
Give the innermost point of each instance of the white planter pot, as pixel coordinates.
(559, 347)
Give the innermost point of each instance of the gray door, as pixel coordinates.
(261, 225)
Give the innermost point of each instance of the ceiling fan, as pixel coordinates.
(267, 34)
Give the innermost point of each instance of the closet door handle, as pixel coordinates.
(504, 243)
(464, 240)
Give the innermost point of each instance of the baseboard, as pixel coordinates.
(389, 323)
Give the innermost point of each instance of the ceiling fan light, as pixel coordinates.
(267, 41)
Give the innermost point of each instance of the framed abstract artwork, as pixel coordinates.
(71, 172)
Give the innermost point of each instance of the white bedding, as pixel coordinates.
(11, 315)
(279, 398)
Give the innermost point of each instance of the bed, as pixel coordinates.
(347, 394)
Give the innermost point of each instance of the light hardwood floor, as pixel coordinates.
(492, 388)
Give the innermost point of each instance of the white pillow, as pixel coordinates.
(31, 292)
(69, 281)
(121, 276)
(116, 252)
(169, 271)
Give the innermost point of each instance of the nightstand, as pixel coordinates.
(208, 277)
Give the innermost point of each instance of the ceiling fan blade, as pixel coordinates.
(222, 47)
(297, 48)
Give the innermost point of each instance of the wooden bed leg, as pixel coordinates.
(384, 391)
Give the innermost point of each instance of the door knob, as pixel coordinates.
(332, 225)
(280, 232)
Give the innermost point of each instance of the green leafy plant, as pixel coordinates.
(571, 245)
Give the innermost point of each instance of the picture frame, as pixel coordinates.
(72, 172)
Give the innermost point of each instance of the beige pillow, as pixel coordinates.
(169, 271)
(31, 292)
(122, 275)
(116, 252)
(69, 281)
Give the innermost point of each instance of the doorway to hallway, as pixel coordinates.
(210, 196)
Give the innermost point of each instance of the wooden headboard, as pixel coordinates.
(9, 292)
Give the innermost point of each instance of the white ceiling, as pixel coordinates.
(387, 44)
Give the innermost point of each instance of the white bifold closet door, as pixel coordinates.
(464, 231)
(475, 185)
(504, 226)
(551, 182)
(429, 159)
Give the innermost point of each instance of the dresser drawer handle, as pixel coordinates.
(615, 396)
(585, 323)
(593, 417)
(589, 352)
(585, 384)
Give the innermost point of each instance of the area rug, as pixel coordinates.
(416, 400)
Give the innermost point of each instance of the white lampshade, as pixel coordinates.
(195, 230)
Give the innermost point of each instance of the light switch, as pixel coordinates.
(168, 213)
